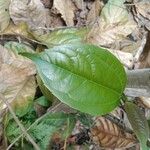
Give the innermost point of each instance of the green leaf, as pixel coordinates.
(138, 123)
(85, 77)
(43, 101)
(85, 119)
(69, 128)
(44, 130)
(62, 36)
(12, 130)
(4, 14)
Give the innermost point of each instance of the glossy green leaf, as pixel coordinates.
(85, 77)
(138, 123)
(62, 36)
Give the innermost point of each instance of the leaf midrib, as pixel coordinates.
(104, 104)
(84, 56)
(82, 77)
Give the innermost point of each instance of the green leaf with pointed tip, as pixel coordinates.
(18, 47)
(138, 123)
(43, 101)
(85, 77)
(62, 36)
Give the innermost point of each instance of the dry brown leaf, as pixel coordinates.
(21, 29)
(127, 45)
(95, 11)
(145, 101)
(108, 135)
(143, 12)
(144, 62)
(56, 21)
(79, 4)
(131, 43)
(4, 14)
(142, 7)
(144, 58)
(66, 8)
(118, 113)
(47, 3)
(125, 57)
(32, 12)
(17, 81)
(113, 25)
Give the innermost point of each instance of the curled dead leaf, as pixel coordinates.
(94, 12)
(66, 8)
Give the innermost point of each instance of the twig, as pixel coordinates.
(56, 28)
(65, 142)
(19, 124)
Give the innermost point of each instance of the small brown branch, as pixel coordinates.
(19, 124)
